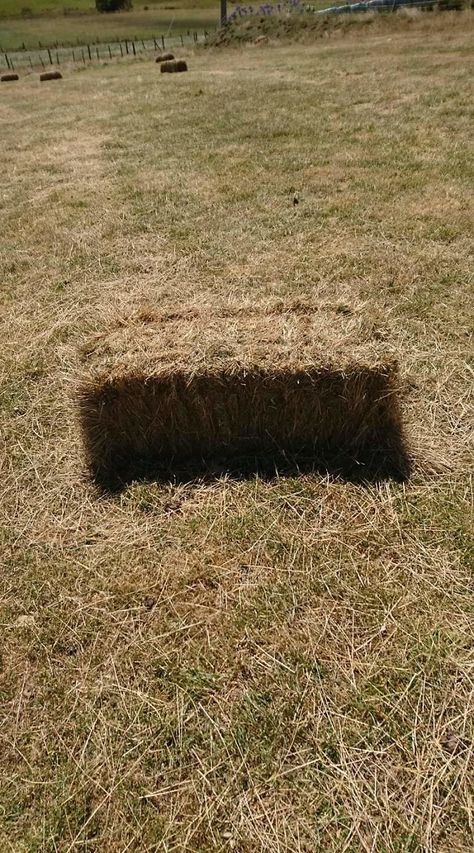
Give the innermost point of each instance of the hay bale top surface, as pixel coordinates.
(199, 340)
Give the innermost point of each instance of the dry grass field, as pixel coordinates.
(279, 663)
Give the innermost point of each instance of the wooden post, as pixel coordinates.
(110, 52)
(133, 48)
(223, 13)
(89, 52)
(121, 48)
(50, 57)
(163, 41)
(126, 46)
(97, 53)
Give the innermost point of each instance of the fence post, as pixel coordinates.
(154, 42)
(126, 46)
(163, 41)
(42, 61)
(83, 57)
(7, 60)
(89, 52)
(182, 40)
(73, 55)
(133, 48)
(97, 52)
(57, 58)
(49, 55)
(121, 48)
(223, 13)
(110, 52)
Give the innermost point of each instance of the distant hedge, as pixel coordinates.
(112, 5)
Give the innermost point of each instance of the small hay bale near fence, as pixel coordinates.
(172, 67)
(8, 78)
(50, 75)
(164, 57)
(166, 389)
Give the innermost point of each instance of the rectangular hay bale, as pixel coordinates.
(192, 385)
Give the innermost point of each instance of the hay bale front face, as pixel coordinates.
(51, 75)
(9, 78)
(168, 390)
(173, 67)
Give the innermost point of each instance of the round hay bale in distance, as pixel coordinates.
(164, 57)
(8, 78)
(51, 75)
(172, 67)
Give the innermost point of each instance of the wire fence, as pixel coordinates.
(303, 7)
(44, 57)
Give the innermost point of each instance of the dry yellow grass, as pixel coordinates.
(279, 664)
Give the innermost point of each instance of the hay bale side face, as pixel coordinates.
(51, 75)
(190, 387)
(134, 420)
(164, 57)
(172, 67)
(9, 78)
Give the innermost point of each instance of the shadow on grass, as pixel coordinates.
(369, 468)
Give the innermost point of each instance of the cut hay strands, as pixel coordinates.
(172, 67)
(8, 78)
(176, 389)
(51, 75)
(164, 57)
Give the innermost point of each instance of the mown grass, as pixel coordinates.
(271, 665)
